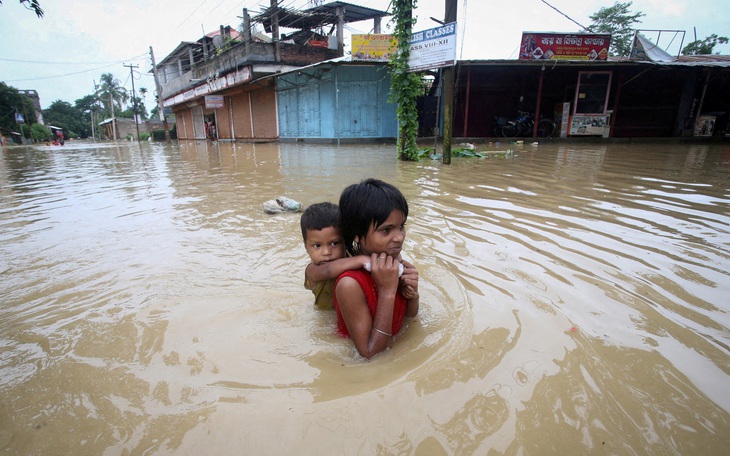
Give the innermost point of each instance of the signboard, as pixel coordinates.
(564, 46)
(212, 84)
(214, 101)
(705, 125)
(588, 125)
(376, 48)
(19, 118)
(433, 48)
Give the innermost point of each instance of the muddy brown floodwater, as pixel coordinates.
(574, 300)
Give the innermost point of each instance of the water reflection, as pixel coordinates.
(573, 301)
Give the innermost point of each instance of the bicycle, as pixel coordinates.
(523, 126)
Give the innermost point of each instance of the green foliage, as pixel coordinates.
(405, 86)
(11, 101)
(143, 136)
(32, 5)
(158, 135)
(129, 112)
(71, 119)
(111, 89)
(39, 132)
(618, 21)
(704, 47)
(462, 152)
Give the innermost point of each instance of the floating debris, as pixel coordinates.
(282, 204)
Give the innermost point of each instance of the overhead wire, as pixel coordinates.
(67, 74)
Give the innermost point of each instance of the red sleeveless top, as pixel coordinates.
(367, 284)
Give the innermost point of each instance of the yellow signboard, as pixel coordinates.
(373, 47)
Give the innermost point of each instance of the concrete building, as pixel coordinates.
(219, 87)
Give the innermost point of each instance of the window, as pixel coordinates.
(591, 95)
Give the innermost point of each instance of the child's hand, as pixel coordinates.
(408, 282)
(384, 269)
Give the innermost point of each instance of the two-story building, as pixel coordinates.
(219, 87)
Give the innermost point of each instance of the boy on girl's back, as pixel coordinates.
(320, 224)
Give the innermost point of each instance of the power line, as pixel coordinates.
(569, 18)
(62, 75)
(45, 62)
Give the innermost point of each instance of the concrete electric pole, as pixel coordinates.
(160, 104)
(134, 98)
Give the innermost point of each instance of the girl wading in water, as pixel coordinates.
(371, 306)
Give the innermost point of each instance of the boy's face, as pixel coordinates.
(324, 245)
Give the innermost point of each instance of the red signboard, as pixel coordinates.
(564, 46)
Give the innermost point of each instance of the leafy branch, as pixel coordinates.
(405, 86)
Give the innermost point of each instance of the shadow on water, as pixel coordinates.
(573, 301)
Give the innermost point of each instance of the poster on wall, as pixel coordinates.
(588, 125)
(373, 47)
(705, 125)
(564, 46)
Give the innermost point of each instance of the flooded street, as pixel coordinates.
(574, 300)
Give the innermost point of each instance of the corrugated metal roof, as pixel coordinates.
(722, 61)
(317, 16)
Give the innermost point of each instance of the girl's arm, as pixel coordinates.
(409, 289)
(333, 269)
(371, 335)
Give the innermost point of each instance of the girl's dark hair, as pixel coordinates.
(318, 217)
(367, 204)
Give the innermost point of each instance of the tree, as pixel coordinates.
(39, 132)
(111, 89)
(87, 105)
(141, 109)
(62, 114)
(704, 47)
(12, 102)
(32, 5)
(618, 21)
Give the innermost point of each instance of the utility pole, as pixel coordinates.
(134, 98)
(114, 119)
(275, 30)
(160, 104)
(448, 90)
(91, 114)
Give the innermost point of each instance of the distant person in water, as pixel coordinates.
(371, 306)
(320, 225)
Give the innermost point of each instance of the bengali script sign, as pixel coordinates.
(565, 46)
(214, 101)
(373, 47)
(433, 48)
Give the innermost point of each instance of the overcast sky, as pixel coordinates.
(65, 52)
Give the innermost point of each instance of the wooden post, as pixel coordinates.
(539, 102)
(448, 90)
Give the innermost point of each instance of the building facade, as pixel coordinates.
(336, 101)
(220, 87)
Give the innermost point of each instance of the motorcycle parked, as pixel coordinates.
(522, 126)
